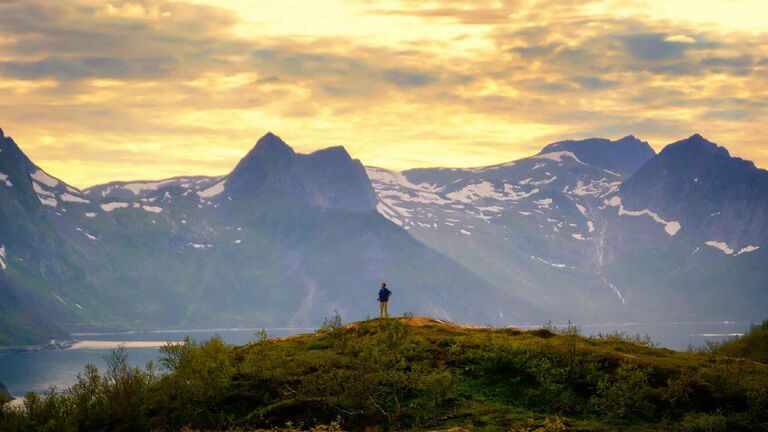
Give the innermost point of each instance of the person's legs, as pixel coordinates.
(382, 307)
(386, 309)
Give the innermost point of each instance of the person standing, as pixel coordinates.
(384, 295)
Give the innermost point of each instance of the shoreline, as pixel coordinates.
(54, 344)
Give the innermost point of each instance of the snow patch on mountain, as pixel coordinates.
(108, 207)
(544, 182)
(492, 209)
(214, 190)
(722, 246)
(395, 178)
(747, 249)
(557, 156)
(90, 237)
(90, 214)
(137, 188)
(726, 249)
(581, 209)
(671, 227)
(4, 179)
(40, 191)
(595, 187)
(75, 199)
(51, 202)
(512, 194)
(107, 191)
(474, 192)
(3, 266)
(388, 213)
(152, 209)
(44, 178)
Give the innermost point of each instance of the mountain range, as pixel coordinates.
(589, 229)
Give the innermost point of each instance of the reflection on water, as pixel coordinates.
(37, 371)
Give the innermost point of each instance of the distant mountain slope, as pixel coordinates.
(600, 229)
(284, 239)
(532, 226)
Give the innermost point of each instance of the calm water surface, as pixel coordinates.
(38, 371)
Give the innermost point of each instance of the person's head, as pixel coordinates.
(383, 285)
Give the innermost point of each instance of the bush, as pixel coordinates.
(113, 401)
(623, 394)
(622, 337)
(331, 325)
(194, 391)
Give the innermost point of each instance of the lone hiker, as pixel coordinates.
(384, 295)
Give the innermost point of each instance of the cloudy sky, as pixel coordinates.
(98, 91)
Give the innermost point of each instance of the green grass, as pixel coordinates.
(414, 374)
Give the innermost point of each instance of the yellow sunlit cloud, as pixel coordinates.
(98, 91)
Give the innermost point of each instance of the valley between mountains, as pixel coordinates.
(591, 229)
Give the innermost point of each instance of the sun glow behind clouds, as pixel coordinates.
(153, 88)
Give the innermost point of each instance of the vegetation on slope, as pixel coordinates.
(753, 345)
(413, 374)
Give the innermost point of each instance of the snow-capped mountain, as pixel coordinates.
(566, 228)
(284, 239)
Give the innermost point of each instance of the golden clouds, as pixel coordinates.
(98, 91)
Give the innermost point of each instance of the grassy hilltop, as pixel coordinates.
(414, 374)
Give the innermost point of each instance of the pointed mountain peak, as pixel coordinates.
(269, 154)
(630, 139)
(272, 144)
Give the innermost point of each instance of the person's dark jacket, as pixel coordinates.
(384, 294)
